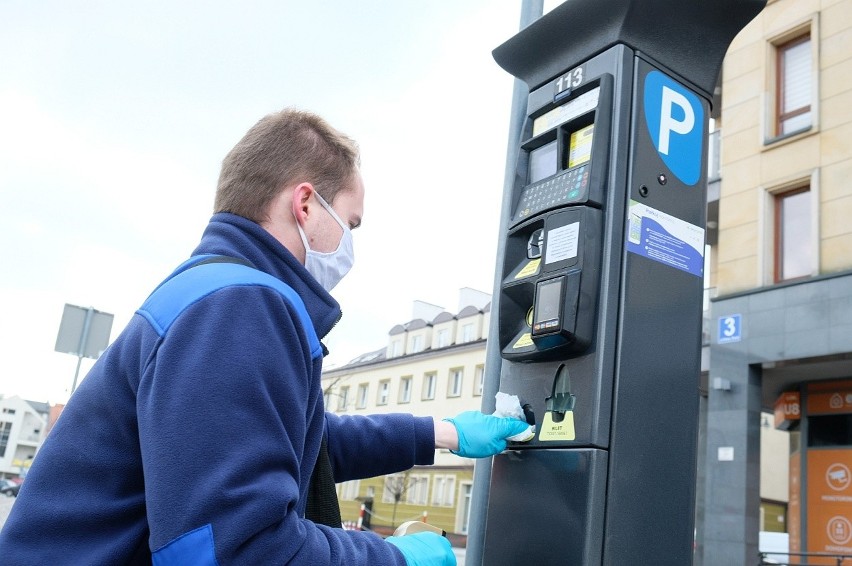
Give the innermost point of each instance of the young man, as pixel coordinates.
(194, 437)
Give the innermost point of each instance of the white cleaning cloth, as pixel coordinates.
(510, 406)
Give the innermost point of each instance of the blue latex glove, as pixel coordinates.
(424, 549)
(482, 435)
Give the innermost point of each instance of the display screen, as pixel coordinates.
(580, 146)
(547, 305)
(543, 162)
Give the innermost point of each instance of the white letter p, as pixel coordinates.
(669, 124)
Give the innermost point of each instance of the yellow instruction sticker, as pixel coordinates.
(581, 146)
(529, 269)
(524, 341)
(552, 431)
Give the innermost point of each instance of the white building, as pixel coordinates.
(23, 426)
(433, 365)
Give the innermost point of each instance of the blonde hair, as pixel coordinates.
(283, 148)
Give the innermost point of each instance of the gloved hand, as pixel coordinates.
(482, 435)
(425, 549)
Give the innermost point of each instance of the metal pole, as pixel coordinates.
(84, 338)
(531, 10)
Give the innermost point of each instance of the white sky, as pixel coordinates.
(115, 116)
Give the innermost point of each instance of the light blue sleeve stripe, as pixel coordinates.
(174, 296)
(195, 548)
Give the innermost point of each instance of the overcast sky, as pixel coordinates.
(115, 116)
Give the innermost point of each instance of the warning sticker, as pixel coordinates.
(529, 269)
(665, 239)
(524, 341)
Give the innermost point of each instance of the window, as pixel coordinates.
(467, 333)
(395, 487)
(416, 344)
(361, 402)
(793, 85)
(429, 380)
(394, 349)
(343, 398)
(405, 389)
(384, 392)
(454, 386)
(326, 397)
(5, 429)
(349, 490)
(8, 411)
(478, 379)
(418, 489)
(443, 338)
(792, 239)
(444, 491)
(829, 430)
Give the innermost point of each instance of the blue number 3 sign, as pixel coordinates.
(730, 328)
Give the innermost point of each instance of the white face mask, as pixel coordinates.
(329, 267)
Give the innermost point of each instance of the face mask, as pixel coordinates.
(329, 267)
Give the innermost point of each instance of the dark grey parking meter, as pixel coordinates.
(600, 298)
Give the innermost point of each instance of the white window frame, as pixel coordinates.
(343, 398)
(468, 332)
(418, 489)
(406, 385)
(443, 337)
(363, 392)
(383, 394)
(387, 496)
(455, 380)
(443, 490)
(478, 379)
(349, 490)
(430, 385)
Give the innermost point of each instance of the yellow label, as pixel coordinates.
(581, 146)
(524, 341)
(563, 430)
(529, 269)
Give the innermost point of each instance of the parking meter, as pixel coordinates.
(601, 281)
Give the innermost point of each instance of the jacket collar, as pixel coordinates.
(235, 236)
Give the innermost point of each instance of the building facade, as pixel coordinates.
(23, 426)
(780, 325)
(432, 365)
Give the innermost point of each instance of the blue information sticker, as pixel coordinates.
(663, 238)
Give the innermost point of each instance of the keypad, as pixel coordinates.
(569, 186)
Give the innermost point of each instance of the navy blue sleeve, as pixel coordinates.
(226, 413)
(361, 446)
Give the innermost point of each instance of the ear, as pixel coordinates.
(301, 202)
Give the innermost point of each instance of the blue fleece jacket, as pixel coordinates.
(200, 442)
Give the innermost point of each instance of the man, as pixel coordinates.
(194, 437)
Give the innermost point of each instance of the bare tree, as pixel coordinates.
(397, 486)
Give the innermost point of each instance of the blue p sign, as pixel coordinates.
(675, 120)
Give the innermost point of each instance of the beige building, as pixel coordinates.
(433, 365)
(781, 269)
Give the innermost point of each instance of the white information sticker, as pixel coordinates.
(561, 243)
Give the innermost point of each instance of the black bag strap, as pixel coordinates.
(323, 507)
